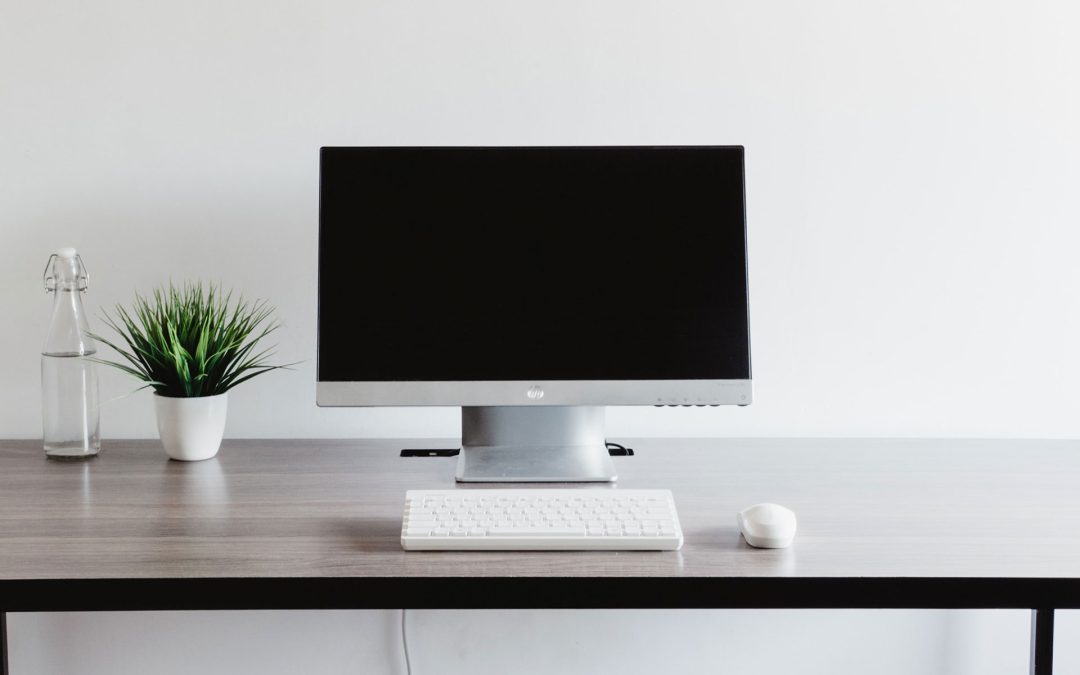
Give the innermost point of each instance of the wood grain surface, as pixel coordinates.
(319, 508)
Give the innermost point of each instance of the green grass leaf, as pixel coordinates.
(191, 340)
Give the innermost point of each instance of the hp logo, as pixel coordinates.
(535, 393)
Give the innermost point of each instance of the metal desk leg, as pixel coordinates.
(1042, 641)
(3, 644)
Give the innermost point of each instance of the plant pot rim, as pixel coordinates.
(190, 398)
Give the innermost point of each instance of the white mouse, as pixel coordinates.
(767, 525)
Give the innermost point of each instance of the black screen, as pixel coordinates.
(532, 263)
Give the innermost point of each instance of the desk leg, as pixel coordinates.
(1042, 641)
(3, 644)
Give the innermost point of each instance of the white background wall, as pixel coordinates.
(912, 173)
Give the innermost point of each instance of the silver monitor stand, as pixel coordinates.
(534, 444)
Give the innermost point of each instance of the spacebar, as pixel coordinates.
(546, 532)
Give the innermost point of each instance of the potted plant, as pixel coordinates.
(191, 345)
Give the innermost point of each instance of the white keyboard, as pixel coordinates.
(540, 519)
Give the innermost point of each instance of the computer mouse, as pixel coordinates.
(767, 525)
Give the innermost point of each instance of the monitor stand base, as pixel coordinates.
(534, 444)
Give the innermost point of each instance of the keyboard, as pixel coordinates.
(540, 519)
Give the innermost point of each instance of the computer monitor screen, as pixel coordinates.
(463, 264)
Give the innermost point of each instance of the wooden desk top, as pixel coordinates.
(331, 510)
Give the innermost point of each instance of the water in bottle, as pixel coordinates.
(68, 378)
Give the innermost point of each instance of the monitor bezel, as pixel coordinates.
(535, 393)
(697, 392)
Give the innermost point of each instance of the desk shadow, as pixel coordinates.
(720, 538)
(728, 539)
(367, 535)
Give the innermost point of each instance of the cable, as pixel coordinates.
(405, 644)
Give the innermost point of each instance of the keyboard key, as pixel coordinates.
(541, 532)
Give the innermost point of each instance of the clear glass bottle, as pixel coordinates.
(69, 383)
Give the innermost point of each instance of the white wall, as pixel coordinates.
(634, 642)
(912, 172)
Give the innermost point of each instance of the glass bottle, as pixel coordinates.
(69, 384)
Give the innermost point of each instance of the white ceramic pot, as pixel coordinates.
(191, 428)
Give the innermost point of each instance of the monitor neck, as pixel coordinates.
(534, 444)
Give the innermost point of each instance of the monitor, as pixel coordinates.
(532, 286)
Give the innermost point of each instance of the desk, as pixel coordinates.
(289, 524)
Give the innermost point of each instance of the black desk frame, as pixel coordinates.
(1041, 596)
